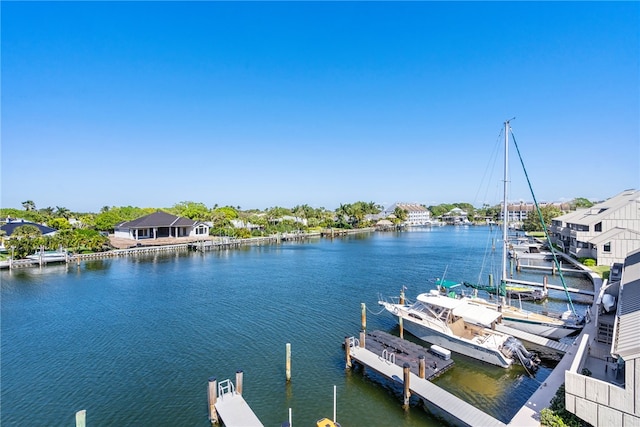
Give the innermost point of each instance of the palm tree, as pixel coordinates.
(63, 212)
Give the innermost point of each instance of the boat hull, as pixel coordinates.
(454, 343)
(541, 329)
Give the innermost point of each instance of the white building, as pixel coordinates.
(416, 213)
(160, 225)
(606, 232)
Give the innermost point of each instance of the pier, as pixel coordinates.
(414, 381)
(227, 405)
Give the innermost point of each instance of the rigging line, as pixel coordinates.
(376, 314)
(544, 228)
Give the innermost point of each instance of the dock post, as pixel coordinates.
(288, 363)
(511, 267)
(518, 264)
(544, 284)
(212, 393)
(421, 366)
(347, 352)
(239, 378)
(362, 338)
(553, 269)
(402, 296)
(81, 418)
(406, 371)
(363, 316)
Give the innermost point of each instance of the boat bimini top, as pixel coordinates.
(469, 311)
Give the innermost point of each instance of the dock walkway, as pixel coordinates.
(234, 411)
(434, 397)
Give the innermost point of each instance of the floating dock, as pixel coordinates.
(434, 398)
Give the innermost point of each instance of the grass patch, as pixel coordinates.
(602, 270)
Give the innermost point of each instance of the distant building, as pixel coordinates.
(160, 224)
(519, 212)
(11, 224)
(416, 213)
(456, 216)
(606, 232)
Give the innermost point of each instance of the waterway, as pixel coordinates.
(134, 340)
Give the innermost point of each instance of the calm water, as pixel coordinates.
(134, 340)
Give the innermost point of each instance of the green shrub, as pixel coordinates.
(549, 419)
(589, 262)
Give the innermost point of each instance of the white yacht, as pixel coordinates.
(460, 326)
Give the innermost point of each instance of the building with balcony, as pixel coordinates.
(606, 232)
(602, 387)
(416, 213)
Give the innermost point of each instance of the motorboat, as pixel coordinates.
(460, 326)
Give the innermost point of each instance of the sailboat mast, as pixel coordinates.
(505, 206)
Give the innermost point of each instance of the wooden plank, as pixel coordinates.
(235, 412)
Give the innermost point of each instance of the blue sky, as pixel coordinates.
(265, 104)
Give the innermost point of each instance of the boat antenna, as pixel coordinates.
(544, 228)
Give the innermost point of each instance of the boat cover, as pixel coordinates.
(476, 314)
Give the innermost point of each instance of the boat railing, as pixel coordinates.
(226, 387)
(389, 356)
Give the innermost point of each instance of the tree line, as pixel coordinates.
(84, 231)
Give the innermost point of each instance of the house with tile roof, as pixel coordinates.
(160, 225)
(606, 232)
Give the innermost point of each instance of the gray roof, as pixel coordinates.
(600, 211)
(10, 227)
(158, 219)
(627, 340)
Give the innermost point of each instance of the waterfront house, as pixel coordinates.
(606, 232)
(456, 216)
(602, 387)
(12, 224)
(160, 225)
(416, 213)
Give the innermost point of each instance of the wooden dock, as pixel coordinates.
(406, 352)
(436, 400)
(234, 411)
(227, 405)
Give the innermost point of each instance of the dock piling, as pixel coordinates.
(81, 418)
(364, 316)
(288, 362)
(239, 378)
(362, 338)
(212, 393)
(347, 352)
(421, 366)
(406, 373)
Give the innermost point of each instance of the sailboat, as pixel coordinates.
(548, 326)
